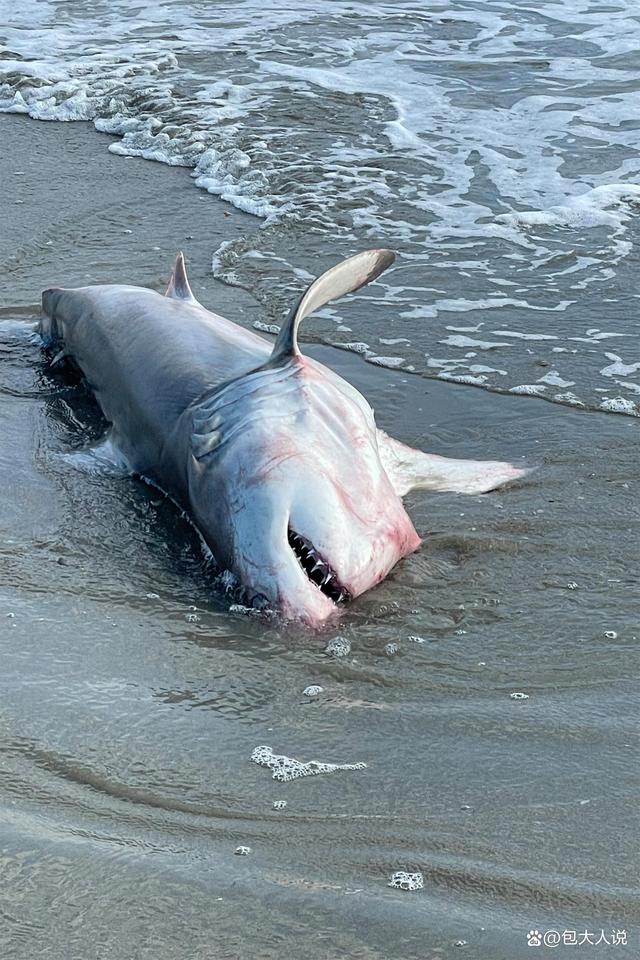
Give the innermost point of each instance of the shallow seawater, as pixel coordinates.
(132, 699)
(495, 146)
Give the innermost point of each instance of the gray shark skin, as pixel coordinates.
(276, 458)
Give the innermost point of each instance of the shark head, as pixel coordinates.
(287, 482)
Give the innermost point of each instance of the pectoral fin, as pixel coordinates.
(410, 469)
(344, 277)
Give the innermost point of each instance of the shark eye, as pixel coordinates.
(317, 569)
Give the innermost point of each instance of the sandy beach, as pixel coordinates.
(132, 698)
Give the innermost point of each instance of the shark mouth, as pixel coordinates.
(317, 569)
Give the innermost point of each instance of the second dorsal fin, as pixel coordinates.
(179, 288)
(345, 277)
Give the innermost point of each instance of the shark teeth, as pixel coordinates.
(317, 569)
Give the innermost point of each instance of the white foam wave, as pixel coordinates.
(524, 176)
(553, 379)
(608, 205)
(618, 368)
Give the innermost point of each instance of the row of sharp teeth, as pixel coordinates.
(316, 569)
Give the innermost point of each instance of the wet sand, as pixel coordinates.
(131, 699)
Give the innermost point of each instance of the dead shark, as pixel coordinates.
(275, 457)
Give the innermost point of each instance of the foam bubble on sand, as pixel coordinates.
(402, 880)
(338, 647)
(266, 327)
(619, 405)
(391, 362)
(285, 768)
(529, 389)
(462, 378)
(354, 347)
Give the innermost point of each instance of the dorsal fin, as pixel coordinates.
(345, 277)
(179, 288)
